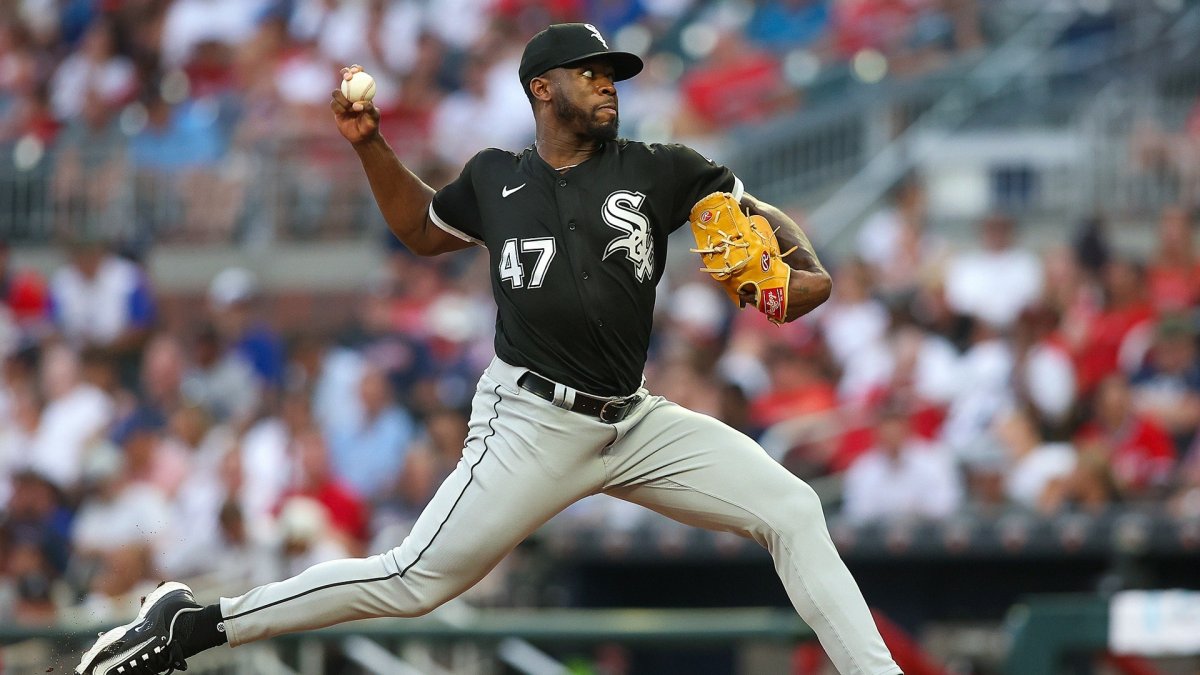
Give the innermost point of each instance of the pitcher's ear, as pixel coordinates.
(539, 88)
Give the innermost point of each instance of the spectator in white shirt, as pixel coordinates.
(77, 414)
(120, 512)
(458, 23)
(188, 23)
(1038, 471)
(380, 36)
(478, 116)
(996, 282)
(265, 462)
(901, 477)
(96, 69)
(1044, 373)
(101, 300)
(852, 321)
(458, 124)
(896, 243)
(984, 390)
(116, 530)
(244, 556)
(16, 436)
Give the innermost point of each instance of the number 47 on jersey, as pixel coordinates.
(511, 269)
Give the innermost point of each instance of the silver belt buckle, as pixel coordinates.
(619, 405)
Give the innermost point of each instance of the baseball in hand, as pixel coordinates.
(360, 87)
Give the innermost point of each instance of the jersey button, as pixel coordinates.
(562, 182)
(600, 322)
(571, 225)
(585, 276)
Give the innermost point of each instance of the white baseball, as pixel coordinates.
(360, 87)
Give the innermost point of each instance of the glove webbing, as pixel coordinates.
(724, 247)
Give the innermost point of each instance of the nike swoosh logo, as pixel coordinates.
(506, 192)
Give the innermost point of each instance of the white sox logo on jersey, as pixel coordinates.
(621, 213)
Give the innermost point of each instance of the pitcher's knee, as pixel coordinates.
(402, 599)
(421, 594)
(804, 500)
(799, 510)
(787, 514)
(423, 606)
(808, 504)
(411, 591)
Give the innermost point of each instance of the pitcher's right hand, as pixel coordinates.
(358, 121)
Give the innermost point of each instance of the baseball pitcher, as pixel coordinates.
(576, 228)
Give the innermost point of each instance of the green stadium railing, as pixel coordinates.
(546, 628)
(558, 626)
(1045, 629)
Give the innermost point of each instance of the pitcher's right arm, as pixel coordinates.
(403, 198)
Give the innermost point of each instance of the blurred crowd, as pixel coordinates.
(208, 119)
(1067, 378)
(938, 380)
(224, 451)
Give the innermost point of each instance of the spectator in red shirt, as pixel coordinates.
(882, 25)
(736, 85)
(1174, 274)
(798, 388)
(24, 294)
(541, 11)
(1123, 454)
(210, 70)
(1111, 335)
(315, 479)
(25, 108)
(913, 34)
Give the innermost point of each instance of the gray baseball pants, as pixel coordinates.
(526, 460)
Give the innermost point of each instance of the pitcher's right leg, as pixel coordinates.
(524, 462)
(699, 471)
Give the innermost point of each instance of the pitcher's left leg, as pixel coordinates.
(695, 469)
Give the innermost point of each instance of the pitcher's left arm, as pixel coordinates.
(810, 284)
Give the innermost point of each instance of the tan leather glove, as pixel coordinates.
(741, 252)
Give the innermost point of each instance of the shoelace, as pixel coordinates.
(174, 653)
(170, 658)
(177, 662)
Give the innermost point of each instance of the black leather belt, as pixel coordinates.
(607, 410)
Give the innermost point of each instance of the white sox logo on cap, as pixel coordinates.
(566, 43)
(596, 34)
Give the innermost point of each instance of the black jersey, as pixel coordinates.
(576, 255)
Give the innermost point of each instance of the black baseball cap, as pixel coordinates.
(565, 43)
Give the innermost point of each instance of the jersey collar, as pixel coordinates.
(540, 164)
